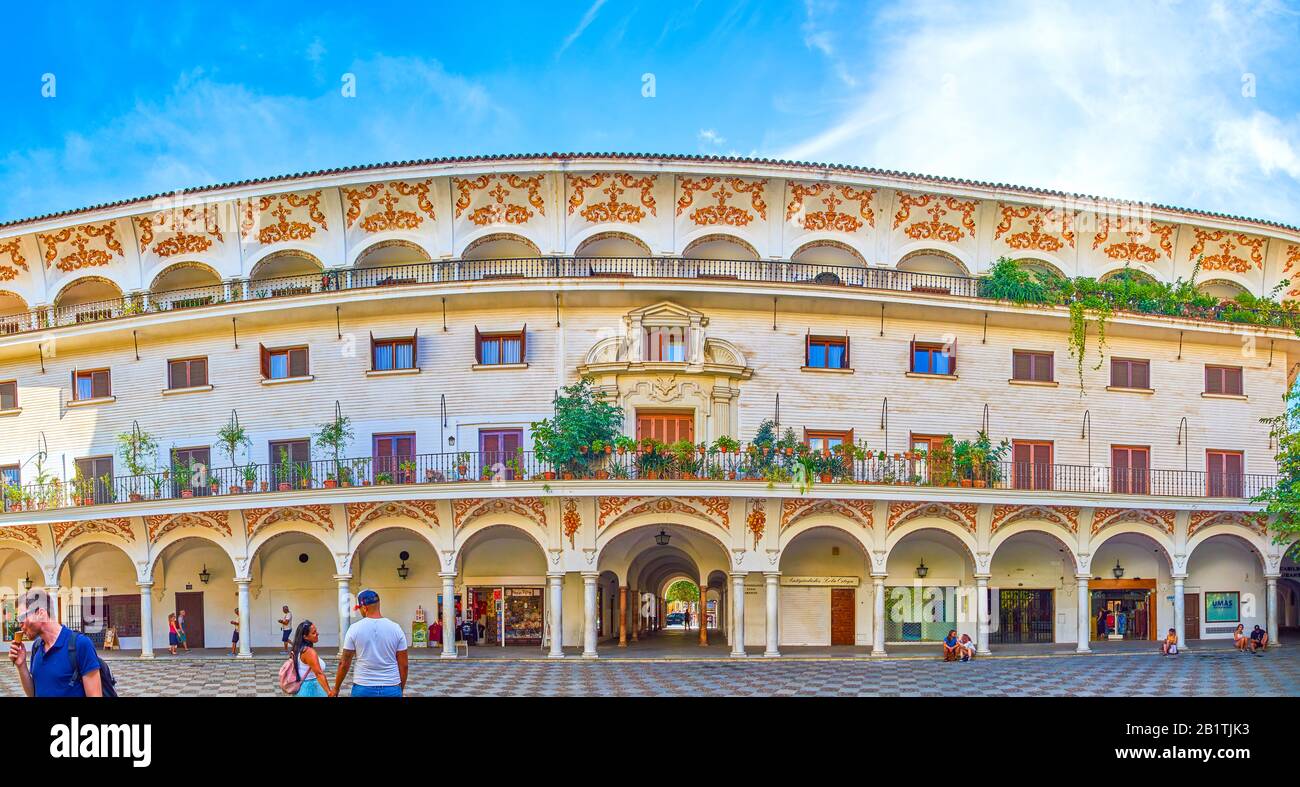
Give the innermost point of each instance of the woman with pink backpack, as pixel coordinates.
(303, 674)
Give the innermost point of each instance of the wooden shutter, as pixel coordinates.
(523, 344)
(1212, 380)
(1232, 381)
(848, 364)
(75, 392)
(1119, 373)
(298, 362)
(1043, 367)
(175, 379)
(415, 349)
(952, 357)
(198, 371)
(911, 355)
(807, 348)
(1140, 374)
(100, 385)
(266, 361)
(1021, 368)
(372, 353)
(478, 345)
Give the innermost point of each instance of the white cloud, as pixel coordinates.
(708, 136)
(583, 23)
(1128, 100)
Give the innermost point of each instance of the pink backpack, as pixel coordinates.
(289, 680)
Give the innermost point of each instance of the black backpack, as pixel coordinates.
(106, 680)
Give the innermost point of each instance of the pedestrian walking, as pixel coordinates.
(379, 648)
(63, 661)
(286, 627)
(308, 662)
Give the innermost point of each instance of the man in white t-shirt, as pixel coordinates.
(379, 646)
(286, 628)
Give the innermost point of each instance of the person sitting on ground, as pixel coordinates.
(1242, 642)
(1170, 645)
(967, 646)
(950, 646)
(1259, 638)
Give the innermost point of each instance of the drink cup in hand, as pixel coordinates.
(17, 652)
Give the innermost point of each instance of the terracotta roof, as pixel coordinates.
(663, 157)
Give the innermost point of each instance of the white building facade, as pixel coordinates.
(440, 306)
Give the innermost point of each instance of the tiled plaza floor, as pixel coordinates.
(1214, 672)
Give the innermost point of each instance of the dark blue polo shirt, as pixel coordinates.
(52, 672)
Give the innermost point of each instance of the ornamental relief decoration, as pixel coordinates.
(27, 534)
(1059, 223)
(1255, 522)
(66, 531)
(159, 525)
(382, 204)
(612, 208)
(963, 514)
(1161, 518)
(1227, 243)
(255, 519)
(614, 509)
(570, 520)
(827, 198)
(861, 512)
(727, 188)
(12, 248)
(465, 509)
(188, 230)
(1065, 516)
(943, 210)
(498, 208)
(86, 246)
(756, 519)
(1141, 235)
(296, 218)
(1292, 259)
(361, 514)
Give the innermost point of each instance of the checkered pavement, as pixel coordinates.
(1211, 673)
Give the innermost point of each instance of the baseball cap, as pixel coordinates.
(367, 598)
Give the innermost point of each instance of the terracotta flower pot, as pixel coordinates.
(236, 490)
(187, 493)
(330, 483)
(136, 497)
(266, 485)
(285, 487)
(549, 475)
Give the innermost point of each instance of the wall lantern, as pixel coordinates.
(403, 571)
(922, 570)
(662, 538)
(27, 581)
(204, 576)
(1118, 570)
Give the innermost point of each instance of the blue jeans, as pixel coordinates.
(376, 691)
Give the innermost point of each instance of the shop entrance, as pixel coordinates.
(1129, 607)
(507, 615)
(1025, 616)
(1192, 615)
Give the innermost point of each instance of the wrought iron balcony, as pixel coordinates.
(680, 470)
(455, 271)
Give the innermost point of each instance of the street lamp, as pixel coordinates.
(204, 576)
(922, 570)
(1118, 570)
(403, 571)
(662, 538)
(27, 580)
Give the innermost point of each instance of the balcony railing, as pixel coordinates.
(738, 466)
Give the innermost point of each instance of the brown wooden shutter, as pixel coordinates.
(173, 374)
(807, 348)
(1117, 378)
(199, 371)
(372, 353)
(415, 349)
(1045, 364)
(1022, 453)
(1020, 367)
(478, 345)
(1232, 381)
(266, 361)
(952, 357)
(1141, 373)
(523, 344)
(848, 363)
(298, 362)
(911, 355)
(100, 385)
(75, 395)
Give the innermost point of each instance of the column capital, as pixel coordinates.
(447, 575)
(738, 575)
(1084, 578)
(590, 576)
(556, 575)
(878, 578)
(772, 574)
(144, 585)
(243, 580)
(342, 577)
(983, 577)
(1178, 577)
(1272, 577)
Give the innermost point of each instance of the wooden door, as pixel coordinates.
(1191, 615)
(666, 427)
(1130, 467)
(842, 624)
(498, 446)
(1032, 464)
(192, 603)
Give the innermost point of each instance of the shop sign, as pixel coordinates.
(1222, 607)
(825, 582)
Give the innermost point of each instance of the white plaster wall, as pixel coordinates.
(1225, 564)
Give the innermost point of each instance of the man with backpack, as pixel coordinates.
(63, 663)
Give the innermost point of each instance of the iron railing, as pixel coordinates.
(775, 468)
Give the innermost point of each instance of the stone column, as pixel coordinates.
(589, 614)
(738, 614)
(556, 614)
(1270, 584)
(56, 602)
(702, 616)
(878, 615)
(772, 580)
(622, 616)
(146, 619)
(448, 614)
(245, 651)
(345, 605)
(1085, 614)
(634, 610)
(1179, 611)
(982, 614)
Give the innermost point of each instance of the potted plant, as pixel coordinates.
(486, 474)
(623, 444)
(407, 468)
(230, 439)
(182, 474)
(249, 473)
(987, 459)
(383, 479)
(361, 470)
(83, 489)
(462, 464)
(428, 475)
(515, 468)
(333, 437)
(302, 472)
(725, 444)
(683, 455)
(582, 416)
(139, 451)
(284, 472)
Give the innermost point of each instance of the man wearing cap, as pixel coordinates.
(379, 646)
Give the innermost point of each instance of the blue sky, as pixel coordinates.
(1191, 103)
